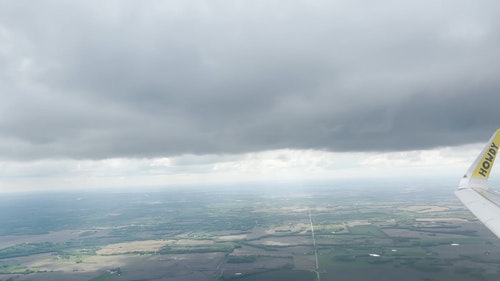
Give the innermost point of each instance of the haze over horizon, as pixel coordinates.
(102, 94)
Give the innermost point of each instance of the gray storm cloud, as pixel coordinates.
(147, 79)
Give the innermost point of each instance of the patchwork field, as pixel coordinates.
(198, 235)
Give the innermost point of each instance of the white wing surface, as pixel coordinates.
(474, 191)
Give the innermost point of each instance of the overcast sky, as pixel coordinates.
(200, 89)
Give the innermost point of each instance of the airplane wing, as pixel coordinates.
(474, 191)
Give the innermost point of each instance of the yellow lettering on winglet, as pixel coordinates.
(484, 167)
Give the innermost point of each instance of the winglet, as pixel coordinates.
(478, 173)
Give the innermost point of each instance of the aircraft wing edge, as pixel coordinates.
(485, 210)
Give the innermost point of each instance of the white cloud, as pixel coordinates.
(284, 165)
(158, 93)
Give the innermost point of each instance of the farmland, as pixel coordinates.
(245, 234)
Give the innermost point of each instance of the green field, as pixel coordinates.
(244, 235)
(367, 230)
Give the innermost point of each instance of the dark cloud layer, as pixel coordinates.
(155, 78)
